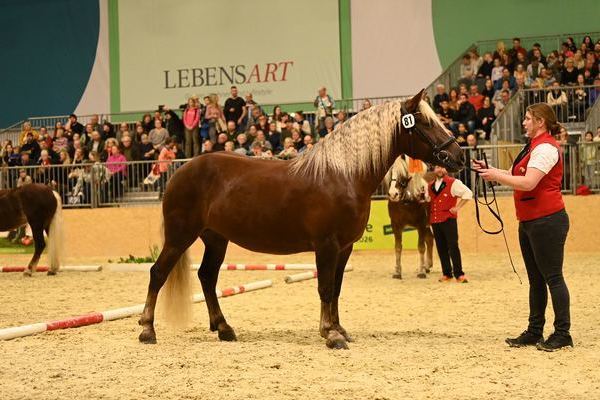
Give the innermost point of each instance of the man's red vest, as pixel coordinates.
(545, 198)
(442, 201)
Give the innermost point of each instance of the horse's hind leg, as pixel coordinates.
(422, 274)
(429, 244)
(159, 272)
(215, 247)
(39, 246)
(398, 251)
(339, 277)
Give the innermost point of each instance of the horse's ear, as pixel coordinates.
(413, 103)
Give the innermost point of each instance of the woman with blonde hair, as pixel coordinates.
(26, 129)
(215, 117)
(536, 176)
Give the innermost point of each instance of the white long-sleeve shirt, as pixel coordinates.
(458, 189)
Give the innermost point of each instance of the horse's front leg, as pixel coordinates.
(327, 258)
(398, 250)
(339, 277)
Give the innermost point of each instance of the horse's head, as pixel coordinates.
(404, 186)
(399, 190)
(424, 136)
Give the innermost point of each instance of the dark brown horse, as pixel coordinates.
(408, 206)
(325, 194)
(41, 207)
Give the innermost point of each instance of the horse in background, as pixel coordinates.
(325, 193)
(41, 207)
(408, 200)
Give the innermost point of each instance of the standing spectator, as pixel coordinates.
(557, 99)
(147, 123)
(589, 159)
(191, 122)
(235, 108)
(485, 117)
(116, 165)
(324, 104)
(158, 135)
(475, 98)
(439, 96)
(516, 49)
(444, 193)
(174, 125)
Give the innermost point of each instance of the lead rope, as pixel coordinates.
(495, 213)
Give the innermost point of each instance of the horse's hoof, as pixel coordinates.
(397, 276)
(27, 272)
(227, 335)
(421, 275)
(51, 273)
(147, 336)
(336, 341)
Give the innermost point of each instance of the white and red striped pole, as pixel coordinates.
(303, 276)
(118, 313)
(224, 267)
(44, 268)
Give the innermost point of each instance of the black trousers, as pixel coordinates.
(446, 242)
(542, 245)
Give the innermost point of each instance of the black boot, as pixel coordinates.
(555, 342)
(525, 339)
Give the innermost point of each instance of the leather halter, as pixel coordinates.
(438, 150)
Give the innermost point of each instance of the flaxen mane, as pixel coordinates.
(358, 146)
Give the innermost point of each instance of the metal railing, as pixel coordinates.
(570, 103)
(592, 122)
(507, 126)
(449, 77)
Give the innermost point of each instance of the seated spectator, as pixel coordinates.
(274, 137)
(231, 130)
(340, 118)
(485, 117)
(64, 158)
(241, 144)
(60, 142)
(557, 99)
(289, 151)
(488, 89)
(148, 123)
(116, 165)
(256, 150)
(327, 127)
(475, 98)
(26, 160)
(365, 105)
(461, 133)
(221, 140)
(465, 114)
(506, 76)
(108, 130)
(73, 125)
(130, 149)
(96, 144)
(31, 146)
(453, 102)
(262, 125)
(546, 78)
(534, 69)
(251, 134)
(485, 70)
(26, 130)
(253, 117)
(520, 73)
(308, 143)
(446, 114)
(466, 70)
(301, 124)
(498, 93)
(229, 146)
(262, 140)
(501, 102)
(147, 150)
(24, 178)
(297, 139)
(439, 97)
(286, 128)
(207, 147)
(158, 135)
(569, 74)
(517, 49)
(497, 70)
(79, 157)
(87, 133)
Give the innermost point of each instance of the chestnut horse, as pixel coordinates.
(41, 207)
(324, 194)
(408, 205)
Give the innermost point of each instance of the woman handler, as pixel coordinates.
(536, 177)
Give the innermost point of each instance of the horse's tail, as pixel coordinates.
(176, 296)
(55, 235)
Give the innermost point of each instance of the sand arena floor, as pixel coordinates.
(416, 339)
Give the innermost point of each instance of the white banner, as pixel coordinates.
(281, 51)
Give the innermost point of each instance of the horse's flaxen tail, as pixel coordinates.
(55, 236)
(176, 294)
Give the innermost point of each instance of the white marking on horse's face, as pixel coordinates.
(394, 193)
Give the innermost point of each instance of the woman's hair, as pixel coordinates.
(545, 112)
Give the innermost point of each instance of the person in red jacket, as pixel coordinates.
(536, 177)
(445, 193)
